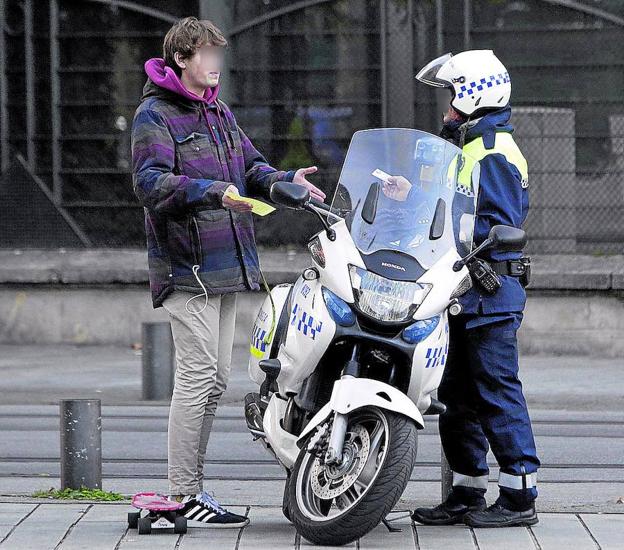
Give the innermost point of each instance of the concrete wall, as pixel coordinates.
(572, 322)
(36, 314)
(101, 297)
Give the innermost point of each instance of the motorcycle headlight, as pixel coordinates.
(384, 299)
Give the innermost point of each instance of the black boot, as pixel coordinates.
(499, 516)
(450, 512)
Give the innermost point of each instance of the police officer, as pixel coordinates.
(480, 387)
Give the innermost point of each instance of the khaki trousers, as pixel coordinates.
(203, 345)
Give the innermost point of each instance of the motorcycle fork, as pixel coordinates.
(340, 421)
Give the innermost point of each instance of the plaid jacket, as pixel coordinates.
(184, 155)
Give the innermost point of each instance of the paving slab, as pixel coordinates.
(45, 527)
(268, 530)
(606, 530)
(404, 537)
(12, 514)
(102, 523)
(500, 539)
(457, 537)
(557, 531)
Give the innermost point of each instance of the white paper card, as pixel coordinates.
(381, 175)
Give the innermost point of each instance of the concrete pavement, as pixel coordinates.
(97, 526)
(575, 405)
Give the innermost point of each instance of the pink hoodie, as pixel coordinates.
(165, 77)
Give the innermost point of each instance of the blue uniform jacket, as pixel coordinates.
(502, 200)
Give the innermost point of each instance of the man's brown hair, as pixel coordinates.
(187, 36)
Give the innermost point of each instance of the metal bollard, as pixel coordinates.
(81, 443)
(447, 476)
(158, 361)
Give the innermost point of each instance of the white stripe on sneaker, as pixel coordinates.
(200, 516)
(194, 511)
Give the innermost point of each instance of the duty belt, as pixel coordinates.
(513, 268)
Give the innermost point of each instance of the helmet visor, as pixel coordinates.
(428, 74)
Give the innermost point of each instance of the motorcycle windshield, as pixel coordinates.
(408, 191)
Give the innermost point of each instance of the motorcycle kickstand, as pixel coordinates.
(390, 527)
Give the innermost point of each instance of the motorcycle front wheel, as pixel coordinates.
(335, 505)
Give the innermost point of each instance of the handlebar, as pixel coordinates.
(325, 208)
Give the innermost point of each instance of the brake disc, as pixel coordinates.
(328, 482)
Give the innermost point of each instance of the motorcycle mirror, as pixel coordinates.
(291, 195)
(507, 238)
(501, 237)
(369, 210)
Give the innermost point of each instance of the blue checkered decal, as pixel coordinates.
(488, 82)
(305, 322)
(257, 339)
(436, 356)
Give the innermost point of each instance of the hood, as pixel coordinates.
(164, 77)
(496, 121)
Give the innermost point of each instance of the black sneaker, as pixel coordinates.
(499, 516)
(450, 512)
(203, 509)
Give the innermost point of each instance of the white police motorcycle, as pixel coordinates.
(348, 357)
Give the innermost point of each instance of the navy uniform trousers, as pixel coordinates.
(485, 405)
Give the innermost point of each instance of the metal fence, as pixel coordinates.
(302, 77)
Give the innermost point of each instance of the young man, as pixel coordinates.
(480, 387)
(189, 157)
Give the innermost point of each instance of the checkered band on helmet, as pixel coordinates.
(487, 82)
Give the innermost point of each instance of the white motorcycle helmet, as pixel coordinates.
(477, 79)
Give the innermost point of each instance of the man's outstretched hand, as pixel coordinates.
(300, 178)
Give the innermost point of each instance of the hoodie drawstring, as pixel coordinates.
(205, 113)
(228, 136)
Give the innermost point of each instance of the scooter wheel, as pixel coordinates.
(133, 519)
(180, 526)
(145, 526)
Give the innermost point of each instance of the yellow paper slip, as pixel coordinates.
(258, 207)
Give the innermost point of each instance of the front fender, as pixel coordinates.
(350, 394)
